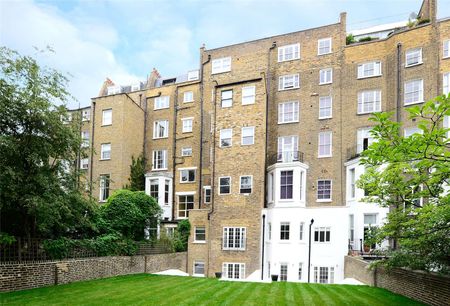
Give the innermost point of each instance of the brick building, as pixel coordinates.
(264, 138)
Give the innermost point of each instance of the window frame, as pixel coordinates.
(282, 112)
(156, 130)
(284, 272)
(186, 151)
(103, 151)
(330, 198)
(186, 203)
(286, 185)
(295, 53)
(285, 231)
(325, 72)
(158, 102)
(164, 159)
(330, 47)
(247, 128)
(220, 185)
(186, 96)
(181, 170)
(225, 100)
(420, 91)
(361, 68)
(196, 234)
(362, 101)
(446, 47)
(321, 99)
(185, 126)
(251, 97)
(241, 238)
(221, 138)
(329, 144)
(234, 265)
(205, 195)
(295, 82)
(104, 112)
(420, 57)
(251, 184)
(83, 162)
(446, 83)
(104, 181)
(220, 65)
(195, 264)
(324, 230)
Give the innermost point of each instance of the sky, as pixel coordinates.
(125, 40)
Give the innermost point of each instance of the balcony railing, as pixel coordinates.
(286, 157)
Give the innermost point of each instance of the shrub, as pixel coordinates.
(368, 38)
(350, 39)
(181, 236)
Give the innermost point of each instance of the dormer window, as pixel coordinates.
(113, 90)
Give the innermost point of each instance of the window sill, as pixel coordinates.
(368, 113)
(161, 169)
(297, 121)
(289, 60)
(446, 57)
(324, 118)
(198, 275)
(224, 194)
(154, 138)
(413, 65)
(219, 72)
(246, 145)
(324, 156)
(192, 101)
(185, 132)
(369, 77)
(199, 242)
(320, 54)
(161, 108)
(413, 103)
(102, 201)
(284, 89)
(187, 182)
(285, 241)
(233, 249)
(327, 83)
(225, 147)
(243, 104)
(102, 159)
(324, 201)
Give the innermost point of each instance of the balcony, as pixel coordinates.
(286, 157)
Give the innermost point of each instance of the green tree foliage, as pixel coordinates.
(39, 194)
(137, 174)
(181, 237)
(403, 172)
(129, 213)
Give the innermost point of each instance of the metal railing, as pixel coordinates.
(286, 157)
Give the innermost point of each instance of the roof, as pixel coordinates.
(379, 28)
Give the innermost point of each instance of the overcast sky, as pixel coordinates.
(124, 40)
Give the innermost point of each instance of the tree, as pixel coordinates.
(130, 213)
(39, 194)
(137, 174)
(411, 176)
(182, 236)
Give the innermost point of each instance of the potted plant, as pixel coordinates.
(218, 274)
(274, 277)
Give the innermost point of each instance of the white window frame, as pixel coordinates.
(186, 151)
(251, 133)
(325, 76)
(104, 187)
(222, 137)
(240, 184)
(162, 102)
(318, 274)
(323, 143)
(325, 112)
(300, 271)
(323, 40)
(155, 159)
(446, 83)
(248, 95)
(226, 101)
(331, 191)
(221, 65)
(238, 241)
(413, 53)
(187, 124)
(284, 268)
(287, 151)
(286, 185)
(205, 196)
(324, 230)
(198, 263)
(293, 49)
(186, 210)
(187, 171)
(86, 115)
(85, 139)
(409, 131)
(283, 115)
(446, 48)
(84, 163)
(351, 184)
(410, 101)
(364, 70)
(446, 124)
(369, 97)
(283, 82)
(188, 96)
(237, 269)
(107, 120)
(361, 134)
(195, 234)
(220, 185)
(103, 151)
(156, 129)
(301, 232)
(288, 231)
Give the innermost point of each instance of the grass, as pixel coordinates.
(145, 289)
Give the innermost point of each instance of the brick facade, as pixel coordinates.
(429, 288)
(19, 276)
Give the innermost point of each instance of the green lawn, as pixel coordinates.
(145, 289)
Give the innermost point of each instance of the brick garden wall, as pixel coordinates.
(429, 288)
(27, 275)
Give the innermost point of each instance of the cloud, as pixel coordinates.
(83, 49)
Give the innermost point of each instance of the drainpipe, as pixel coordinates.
(91, 159)
(200, 171)
(309, 251)
(174, 149)
(399, 79)
(144, 143)
(263, 236)
(214, 152)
